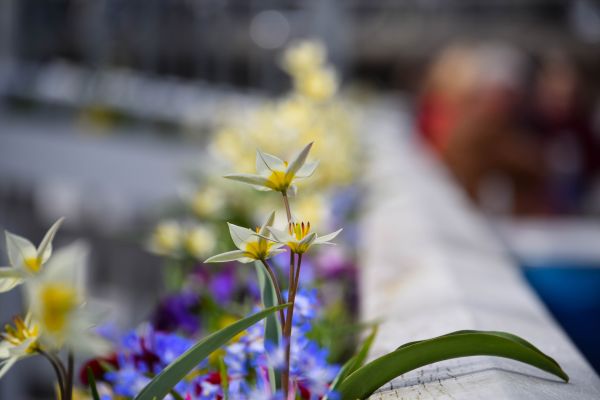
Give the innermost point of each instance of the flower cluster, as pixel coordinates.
(245, 362)
(145, 352)
(312, 111)
(57, 319)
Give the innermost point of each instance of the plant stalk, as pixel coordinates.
(58, 370)
(288, 322)
(277, 290)
(70, 371)
(286, 202)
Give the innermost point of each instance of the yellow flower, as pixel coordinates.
(199, 240)
(25, 259)
(207, 202)
(318, 85)
(299, 238)
(276, 174)
(17, 342)
(57, 301)
(166, 238)
(304, 56)
(252, 245)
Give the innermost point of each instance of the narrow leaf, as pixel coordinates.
(272, 324)
(355, 362)
(92, 383)
(364, 381)
(162, 383)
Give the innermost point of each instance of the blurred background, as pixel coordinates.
(104, 104)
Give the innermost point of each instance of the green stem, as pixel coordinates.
(277, 289)
(286, 202)
(288, 322)
(69, 382)
(58, 370)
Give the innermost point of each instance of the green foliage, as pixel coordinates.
(92, 383)
(364, 381)
(162, 383)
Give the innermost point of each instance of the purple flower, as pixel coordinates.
(178, 312)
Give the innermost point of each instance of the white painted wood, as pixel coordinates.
(431, 266)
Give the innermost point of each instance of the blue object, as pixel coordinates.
(571, 291)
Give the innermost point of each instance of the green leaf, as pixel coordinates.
(162, 383)
(272, 324)
(92, 383)
(355, 362)
(364, 381)
(269, 299)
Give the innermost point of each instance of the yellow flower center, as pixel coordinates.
(299, 231)
(33, 264)
(58, 301)
(279, 181)
(258, 249)
(20, 333)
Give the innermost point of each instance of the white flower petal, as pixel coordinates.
(5, 349)
(327, 238)
(45, 248)
(299, 161)
(19, 249)
(269, 222)
(227, 256)
(68, 266)
(239, 234)
(308, 239)
(249, 178)
(307, 169)
(279, 235)
(274, 252)
(21, 349)
(292, 190)
(268, 162)
(9, 278)
(6, 365)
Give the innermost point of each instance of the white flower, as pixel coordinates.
(57, 299)
(17, 342)
(299, 238)
(25, 259)
(166, 238)
(276, 174)
(199, 240)
(252, 245)
(304, 56)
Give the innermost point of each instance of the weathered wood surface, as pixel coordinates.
(431, 265)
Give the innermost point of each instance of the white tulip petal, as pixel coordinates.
(239, 234)
(4, 350)
(21, 349)
(249, 178)
(9, 278)
(275, 252)
(6, 365)
(269, 222)
(292, 190)
(308, 239)
(268, 162)
(307, 169)
(234, 255)
(68, 265)
(299, 161)
(261, 188)
(19, 249)
(44, 250)
(326, 238)
(279, 235)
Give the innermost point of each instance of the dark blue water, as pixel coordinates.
(571, 292)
